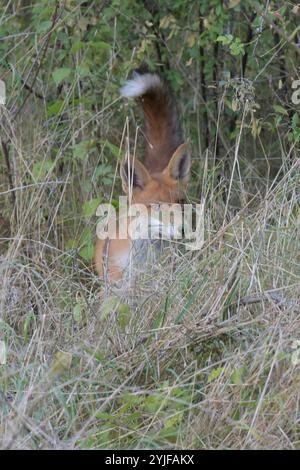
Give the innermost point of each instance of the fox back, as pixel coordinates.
(161, 179)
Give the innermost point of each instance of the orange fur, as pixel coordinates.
(165, 182)
(163, 133)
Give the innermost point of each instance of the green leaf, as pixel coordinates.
(89, 207)
(237, 376)
(172, 422)
(153, 403)
(215, 373)
(116, 151)
(280, 109)
(83, 70)
(295, 120)
(106, 180)
(82, 149)
(225, 40)
(86, 236)
(133, 399)
(99, 356)
(43, 26)
(100, 45)
(86, 245)
(55, 108)
(236, 47)
(77, 46)
(87, 252)
(41, 169)
(59, 75)
(103, 169)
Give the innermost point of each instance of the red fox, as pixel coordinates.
(163, 177)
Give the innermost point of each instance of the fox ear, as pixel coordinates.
(134, 175)
(180, 164)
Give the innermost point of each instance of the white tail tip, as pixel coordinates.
(140, 84)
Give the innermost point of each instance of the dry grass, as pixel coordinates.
(200, 356)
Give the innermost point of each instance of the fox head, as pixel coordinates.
(168, 186)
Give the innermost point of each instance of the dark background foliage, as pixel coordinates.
(205, 354)
(231, 64)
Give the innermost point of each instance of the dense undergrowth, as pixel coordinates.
(203, 352)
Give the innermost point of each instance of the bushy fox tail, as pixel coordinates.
(163, 130)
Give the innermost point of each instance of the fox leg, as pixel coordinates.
(112, 258)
